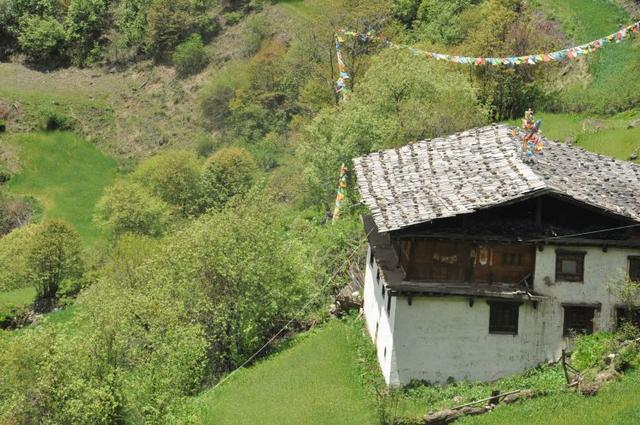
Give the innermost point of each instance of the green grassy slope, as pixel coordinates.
(618, 403)
(16, 298)
(314, 382)
(609, 85)
(66, 173)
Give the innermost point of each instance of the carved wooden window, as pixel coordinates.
(570, 266)
(578, 320)
(503, 317)
(634, 268)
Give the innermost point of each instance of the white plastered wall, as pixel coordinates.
(437, 338)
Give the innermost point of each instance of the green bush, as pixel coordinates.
(3, 126)
(5, 174)
(15, 248)
(205, 146)
(227, 173)
(54, 256)
(232, 18)
(190, 56)
(85, 23)
(174, 177)
(589, 349)
(53, 119)
(42, 39)
(128, 207)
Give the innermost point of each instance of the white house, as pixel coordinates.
(482, 265)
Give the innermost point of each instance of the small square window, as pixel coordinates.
(503, 317)
(570, 266)
(634, 269)
(578, 320)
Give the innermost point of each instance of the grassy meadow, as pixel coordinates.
(316, 381)
(66, 174)
(618, 403)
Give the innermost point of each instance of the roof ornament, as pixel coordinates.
(532, 143)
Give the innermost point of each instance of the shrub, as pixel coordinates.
(190, 57)
(54, 256)
(53, 119)
(589, 349)
(85, 23)
(3, 126)
(42, 39)
(172, 176)
(5, 176)
(205, 146)
(227, 173)
(15, 248)
(215, 103)
(232, 18)
(128, 207)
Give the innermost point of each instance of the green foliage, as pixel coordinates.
(205, 145)
(54, 119)
(405, 10)
(54, 256)
(232, 18)
(398, 100)
(227, 173)
(190, 56)
(616, 404)
(128, 207)
(589, 349)
(15, 249)
(85, 23)
(173, 176)
(15, 211)
(257, 28)
(42, 39)
(440, 20)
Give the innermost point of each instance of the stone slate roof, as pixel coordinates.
(483, 167)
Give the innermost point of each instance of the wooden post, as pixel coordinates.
(564, 366)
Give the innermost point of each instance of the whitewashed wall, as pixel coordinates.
(601, 270)
(436, 338)
(379, 323)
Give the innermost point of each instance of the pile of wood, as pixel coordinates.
(481, 406)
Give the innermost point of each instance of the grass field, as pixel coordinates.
(618, 403)
(609, 86)
(17, 298)
(66, 173)
(316, 381)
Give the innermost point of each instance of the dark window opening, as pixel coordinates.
(503, 317)
(378, 276)
(629, 316)
(389, 305)
(383, 291)
(570, 266)
(371, 256)
(634, 269)
(578, 320)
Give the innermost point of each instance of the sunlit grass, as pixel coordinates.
(314, 382)
(67, 174)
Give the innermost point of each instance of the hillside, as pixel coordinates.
(168, 171)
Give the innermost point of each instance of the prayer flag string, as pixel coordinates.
(533, 59)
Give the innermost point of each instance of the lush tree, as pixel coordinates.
(173, 176)
(440, 21)
(128, 207)
(85, 22)
(42, 39)
(227, 173)
(399, 100)
(53, 258)
(14, 253)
